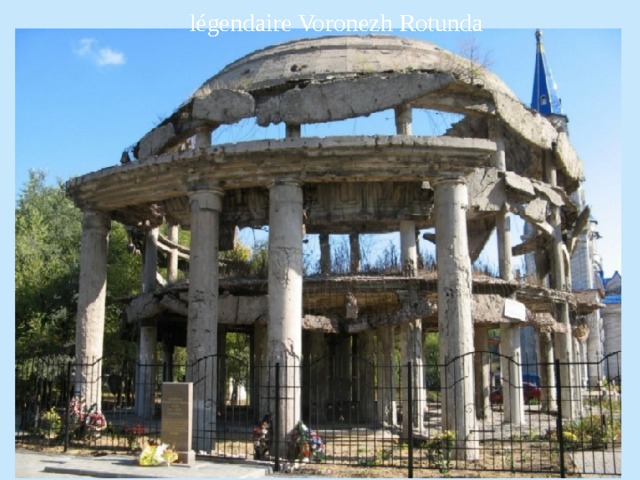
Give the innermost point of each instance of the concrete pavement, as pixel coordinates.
(30, 464)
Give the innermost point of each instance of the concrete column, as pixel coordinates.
(202, 329)
(168, 349)
(147, 368)
(366, 376)
(510, 348)
(511, 368)
(563, 341)
(408, 248)
(594, 349)
(354, 244)
(412, 352)
(386, 377)
(293, 131)
(150, 264)
(172, 260)
(412, 333)
(482, 366)
(579, 373)
(343, 370)
(403, 119)
(319, 395)
(92, 292)
(261, 370)
(455, 324)
(547, 376)
(505, 257)
(202, 138)
(325, 254)
(285, 296)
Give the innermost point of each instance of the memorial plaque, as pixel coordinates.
(177, 419)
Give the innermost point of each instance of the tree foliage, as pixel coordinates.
(48, 229)
(47, 259)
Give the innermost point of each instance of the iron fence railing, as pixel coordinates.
(352, 411)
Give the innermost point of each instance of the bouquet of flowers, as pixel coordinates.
(133, 434)
(50, 423)
(86, 420)
(157, 454)
(262, 439)
(95, 420)
(306, 444)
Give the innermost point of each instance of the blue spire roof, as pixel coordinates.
(545, 95)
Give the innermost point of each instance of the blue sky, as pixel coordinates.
(83, 95)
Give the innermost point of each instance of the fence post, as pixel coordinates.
(276, 421)
(67, 413)
(556, 368)
(410, 417)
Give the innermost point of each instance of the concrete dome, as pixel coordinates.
(333, 78)
(328, 58)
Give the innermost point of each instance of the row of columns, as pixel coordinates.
(285, 291)
(285, 300)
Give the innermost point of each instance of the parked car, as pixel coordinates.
(529, 390)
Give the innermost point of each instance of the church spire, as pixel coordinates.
(545, 95)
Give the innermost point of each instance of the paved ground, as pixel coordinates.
(600, 463)
(31, 464)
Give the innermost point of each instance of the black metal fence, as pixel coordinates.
(353, 411)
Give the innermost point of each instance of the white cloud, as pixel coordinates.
(106, 56)
(87, 48)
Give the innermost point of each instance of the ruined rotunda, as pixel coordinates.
(500, 159)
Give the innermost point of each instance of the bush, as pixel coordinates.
(50, 423)
(592, 432)
(440, 448)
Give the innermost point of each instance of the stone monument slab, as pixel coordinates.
(177, 419)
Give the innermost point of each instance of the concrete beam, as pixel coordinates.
(223, 106)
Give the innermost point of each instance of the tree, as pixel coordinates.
(48, 229)
(48, 232)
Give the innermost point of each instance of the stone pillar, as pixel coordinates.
(455, 324)
(412, 334)
(511, 368)
(147, 368)
(202, 329)
(547, 376)
(202, 138)
(354, 250)
(293, 131)
(482, 366)
(168, 348)
(319, 395)
(366, 377)
(172, 260)
(403, 119)
(343, 371)
(261, 370)
(325, 254)
(150, 264)
(408, 248)
(412, 352)
(594, 349)
(563, 343)
(386, 377)
(92, 290)
(285, 297)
